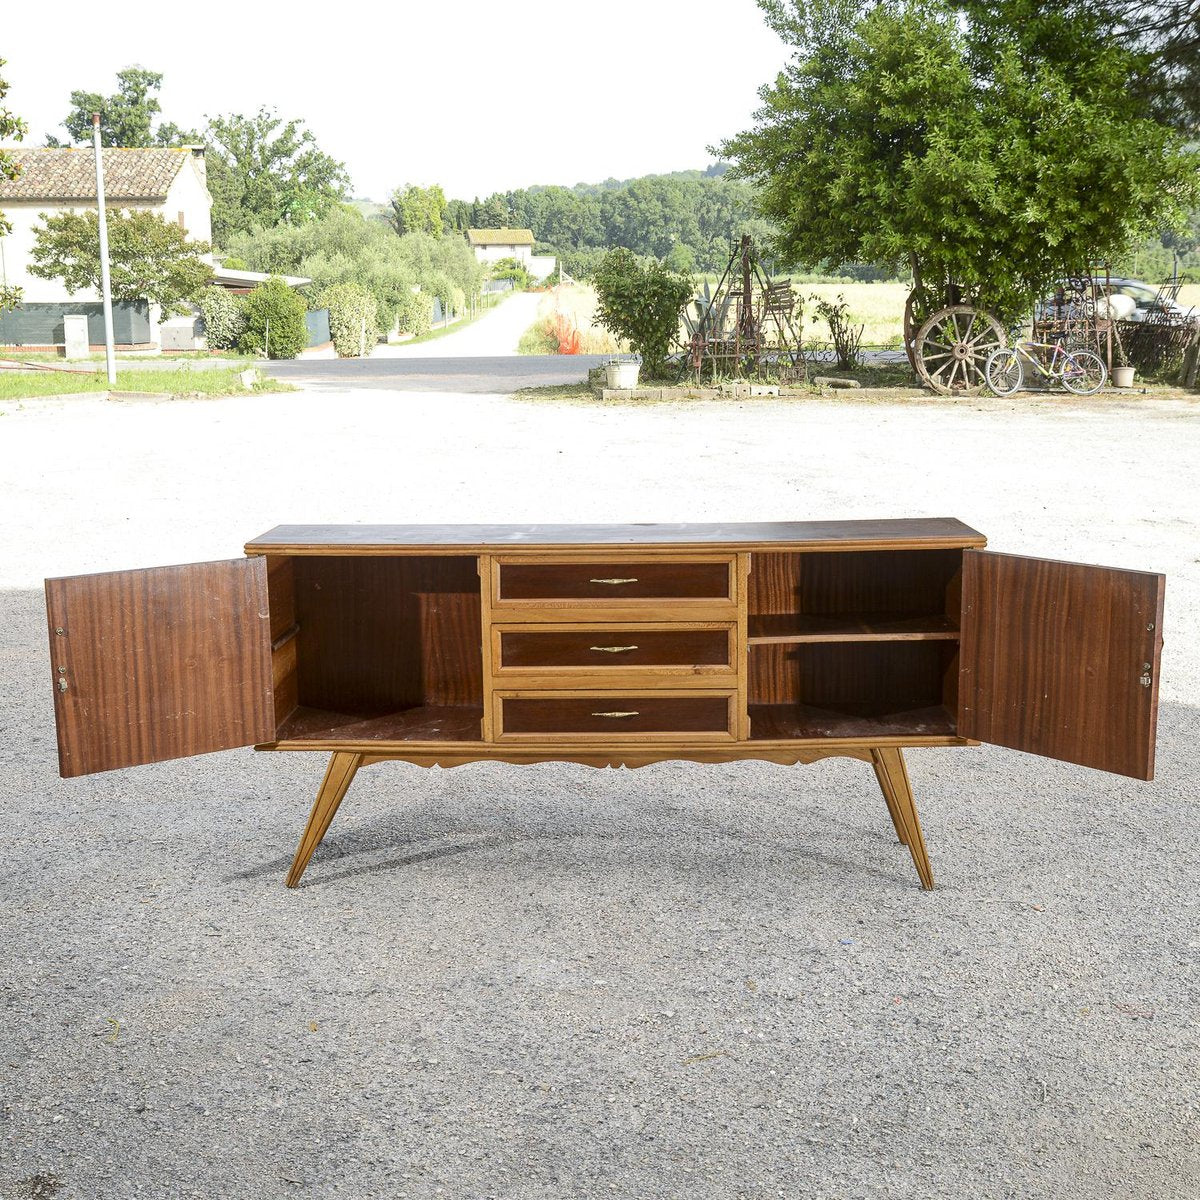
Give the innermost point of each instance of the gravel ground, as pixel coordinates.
(553, 982)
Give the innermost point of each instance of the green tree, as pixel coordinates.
(11, 126)
(342, 246)
(641, 304)
(418, 210)
(274, 321)
(149, 258)
(264, 171)
(126, 117)
(993, 153)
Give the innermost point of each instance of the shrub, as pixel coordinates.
(224, 315)
(274, 321)
(414, 313)
(351, 310)
(845, 336)
(510, 268)
(641, 304)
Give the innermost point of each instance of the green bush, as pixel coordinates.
(641, 304)
(351, 307)
(274, 321)
(510, 268)
(224, 315)
(414, 313)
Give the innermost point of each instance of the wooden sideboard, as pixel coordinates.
(609, 645)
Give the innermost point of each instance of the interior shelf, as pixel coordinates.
(784, 722)
(852, 627)
(424, 723)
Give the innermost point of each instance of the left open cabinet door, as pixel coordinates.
(160, 663)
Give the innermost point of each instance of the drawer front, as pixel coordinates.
(616, 717)
(616, 648)
(616, 582)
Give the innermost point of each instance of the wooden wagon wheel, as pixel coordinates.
(917, 308)
(952, 349)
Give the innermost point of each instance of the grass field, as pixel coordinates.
(574, 305)
(21, 385)
(878, 307)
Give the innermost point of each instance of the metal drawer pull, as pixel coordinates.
(612, 580)
(616, 714)
(612, 649)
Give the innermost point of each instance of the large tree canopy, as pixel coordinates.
(126, 117)
(264, 171)
(993, 146)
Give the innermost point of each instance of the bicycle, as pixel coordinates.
(1079, 371)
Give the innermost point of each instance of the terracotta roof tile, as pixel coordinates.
(68, 174)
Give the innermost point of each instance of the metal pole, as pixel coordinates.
(110, 353)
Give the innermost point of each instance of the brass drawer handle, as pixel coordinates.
(616, 714)
(612, 649)
(634, 580)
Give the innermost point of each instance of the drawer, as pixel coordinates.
(615, 716)
(609, 648)
(616, 581)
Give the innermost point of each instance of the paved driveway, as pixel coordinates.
(501, 374)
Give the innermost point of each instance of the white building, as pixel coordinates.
(170, 181)
(491, 245)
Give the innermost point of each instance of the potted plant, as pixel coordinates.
(1122, 372)
(622, 372)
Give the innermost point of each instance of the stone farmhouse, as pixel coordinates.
(169, 181)
(491, 245)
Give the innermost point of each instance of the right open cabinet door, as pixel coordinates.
(1061, 659)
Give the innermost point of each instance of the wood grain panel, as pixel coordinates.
(854, 627)
(801, 722)
(615, 581)
(160, 664)
(426, 723)
(1062, 659)
(842, 584)
(281, 590)
(381, 634)
(614, 647)
(451, 539)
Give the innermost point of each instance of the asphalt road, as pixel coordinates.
(502, 374)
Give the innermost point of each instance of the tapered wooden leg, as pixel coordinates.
(338, 777)
(893, 811)
(897, 790)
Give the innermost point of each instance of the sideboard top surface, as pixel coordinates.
(896, 533)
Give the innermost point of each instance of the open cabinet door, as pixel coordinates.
(1061, 659)
(161, 663)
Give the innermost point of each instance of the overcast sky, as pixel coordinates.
(477, 97)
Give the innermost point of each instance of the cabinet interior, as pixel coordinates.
(854, 644)
(839, 645)
(377, 647)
